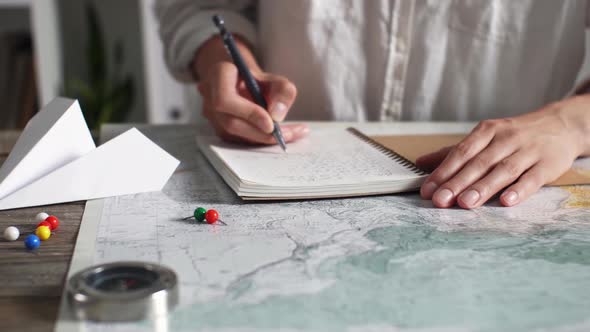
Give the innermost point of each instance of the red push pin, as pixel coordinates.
(212, 217)
(53, 221)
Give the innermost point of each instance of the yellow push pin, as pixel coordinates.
(43, 232)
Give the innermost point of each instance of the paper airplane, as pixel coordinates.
(55, 136)
(56, 161)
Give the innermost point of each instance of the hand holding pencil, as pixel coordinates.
(229, 105)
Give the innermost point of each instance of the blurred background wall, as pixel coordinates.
(120, 22)
(107, 53)
(104, 52)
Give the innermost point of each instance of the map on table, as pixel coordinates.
(385, 263)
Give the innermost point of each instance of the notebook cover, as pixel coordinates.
(413, 146)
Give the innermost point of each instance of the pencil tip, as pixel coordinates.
(279, 136)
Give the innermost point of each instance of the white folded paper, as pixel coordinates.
(56, 161)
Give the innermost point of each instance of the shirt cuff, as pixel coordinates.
(195, 31)
(583, 87)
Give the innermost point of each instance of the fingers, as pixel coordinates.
(237, 130)
(529, 183)
(229, 107)
(503, 174)
(297, 131)
(282, 94)
(429, 162)
(474, 170)
(224, 98)
(457, 157)
(532, 150)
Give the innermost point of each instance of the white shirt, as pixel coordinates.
(388, 60)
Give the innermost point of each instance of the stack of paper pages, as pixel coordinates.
(328, 163)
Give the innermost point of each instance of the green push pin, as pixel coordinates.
(199, 215)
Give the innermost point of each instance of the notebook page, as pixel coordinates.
(326, 157)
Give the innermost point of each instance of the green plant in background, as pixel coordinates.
(105, 97)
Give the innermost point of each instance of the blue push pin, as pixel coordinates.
(32, 242)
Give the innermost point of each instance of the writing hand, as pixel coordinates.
(228, 106)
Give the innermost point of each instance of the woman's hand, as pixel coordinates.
(522, 153)
(227, 104)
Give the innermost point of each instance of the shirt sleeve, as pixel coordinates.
(186, 24)
(582, 88)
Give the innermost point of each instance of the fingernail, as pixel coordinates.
(443, 196)
(469, 197)
(301, 129)
(428, 189)
(510, 197)
(278, 111)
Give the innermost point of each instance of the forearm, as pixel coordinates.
(185, 26)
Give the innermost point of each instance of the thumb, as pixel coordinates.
(281, 95)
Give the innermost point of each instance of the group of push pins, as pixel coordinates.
(203, 215)
(46, 225)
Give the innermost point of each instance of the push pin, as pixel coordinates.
(210, 216)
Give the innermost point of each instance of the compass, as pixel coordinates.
(123, 291)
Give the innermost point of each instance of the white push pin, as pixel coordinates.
(11, 233)
(41, 216)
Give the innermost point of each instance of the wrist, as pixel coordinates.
(213, 51)
(585, 124)
(575, 113)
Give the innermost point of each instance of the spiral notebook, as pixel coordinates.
(414, 146)
(328, 163)
(333, 162)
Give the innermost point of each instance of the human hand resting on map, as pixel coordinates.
(532, 149)
(227, 103)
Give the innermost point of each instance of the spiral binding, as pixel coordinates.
(388, 152)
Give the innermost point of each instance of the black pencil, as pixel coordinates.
(251, 83)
